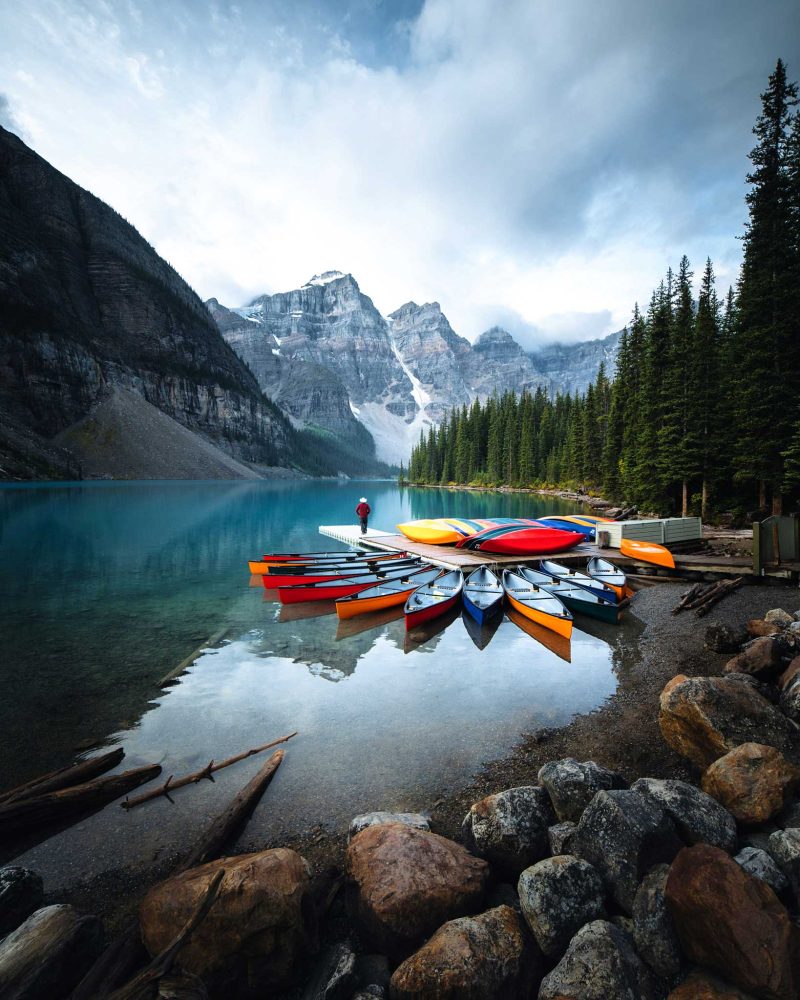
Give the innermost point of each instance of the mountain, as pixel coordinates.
(329, 359)
(97, 332)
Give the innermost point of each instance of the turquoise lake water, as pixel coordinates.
(106, 587)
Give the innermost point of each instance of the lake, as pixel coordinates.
(105, 587)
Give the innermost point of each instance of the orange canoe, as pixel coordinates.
(648, 552)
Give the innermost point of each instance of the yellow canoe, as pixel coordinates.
(433, 531)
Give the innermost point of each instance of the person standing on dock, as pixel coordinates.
(363, 510)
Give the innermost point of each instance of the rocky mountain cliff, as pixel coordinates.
(87, 307)
(325, 354)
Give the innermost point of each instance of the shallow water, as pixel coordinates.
(105, 587)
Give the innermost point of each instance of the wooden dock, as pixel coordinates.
(686, 565)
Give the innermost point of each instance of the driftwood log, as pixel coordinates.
(206, 772)
(721, 590)
(144, 985)
(688, 597)
(23, 815)
(121, 958)
(65, 777)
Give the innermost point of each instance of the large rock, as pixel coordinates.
(790, 673)
(754, 782)
(653, 928)
(21, 892)
(600, 964)
(359, 823)
(409, 882)
(761, 865)
(571, 785)
(698, 818)
(255, 929)
(334, 974)
(560, 835)
(758, 657)
(49, 954)
(790, 698)
(558, 896)
(471, 958)
(703, 986)
(509, 829)
(703, 718)
(779, 617)
(757, 627)
(784, 847)
(733, 923)
(724, 639)
(623, 834)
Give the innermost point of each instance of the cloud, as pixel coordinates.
(528, 164)
(7, 119)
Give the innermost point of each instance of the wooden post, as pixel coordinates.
(776, 543)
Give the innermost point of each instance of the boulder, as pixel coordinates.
(703, 986)
(790, 699)
(359, 823)
(371, 992)
(754, 782)
(757, 628)
(653, 928)
(48, 954)
(784, 847)
(558, 896)
(703, 718)
(334, 974)
(254, 930)
(779, 617)
(571, 785)
(21, 892)
(600, 964)
(509, 829)
(408, 882)
(472, 958)
(724, 639)
(759, 864)
(623, 834)
(732, 923)
(790, 816)
(559, 836)
(698, 818)
(761, 656)
(789, 674)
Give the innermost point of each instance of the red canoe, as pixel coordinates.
(433, 599)
(522, 541)
(292, 578)
(343, 587)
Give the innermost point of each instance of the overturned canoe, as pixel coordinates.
(385, 595)
(522, 540)
(569, 575)
(648, 552)
(577, 599)
(483, 594)
(434, 599)
(536, 604)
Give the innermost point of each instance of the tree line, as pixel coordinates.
(702, 411)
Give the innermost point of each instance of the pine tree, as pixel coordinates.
(706, 451)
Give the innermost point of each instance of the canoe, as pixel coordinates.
(537, 604)
(525, 541)
(433, 599)
(606, 572)
(648, 552)
(346, 628)
(552, 640)
(450, 530)
(267, 564)
(577, 599)
(385, 595)
(331, 590)
(279, 557)
(567, 523)
(483, 595)
(291, 578)
(570, 575)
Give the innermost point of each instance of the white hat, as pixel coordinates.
(363, 500)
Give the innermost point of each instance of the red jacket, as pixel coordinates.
(363, 510)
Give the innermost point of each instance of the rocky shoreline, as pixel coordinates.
(644, 850)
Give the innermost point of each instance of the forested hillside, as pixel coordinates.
(703, 410)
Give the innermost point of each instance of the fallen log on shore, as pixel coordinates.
(121, 958)
(688, 597)
(205, 772)
(64, 777)
(25, 815)
(716, 594)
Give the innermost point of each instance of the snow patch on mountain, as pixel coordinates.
(325, 278)
(393, 437)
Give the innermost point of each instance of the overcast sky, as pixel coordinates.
(536, 165)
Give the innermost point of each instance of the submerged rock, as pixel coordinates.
(359, 823)
(558, 896)
(623, 834)
(255, 928)
(600, 963)
(509, 829)
(754, 782)
(21, 892)
(702, 718)
(409, 882)
(472, 958)
(698, 817)
(733, 923)
(572, 785)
